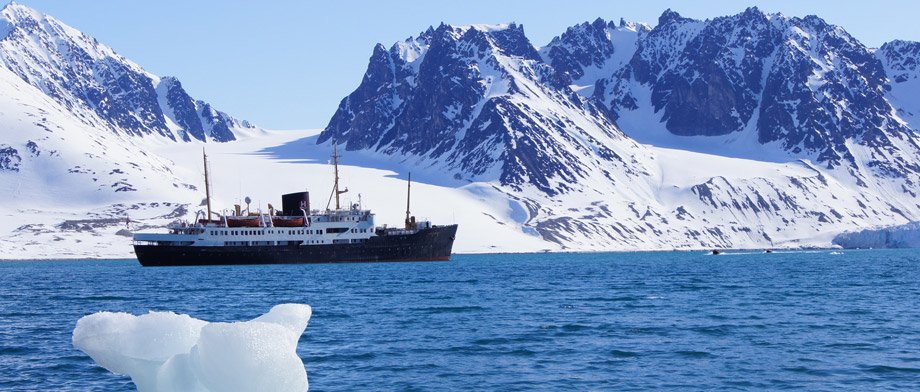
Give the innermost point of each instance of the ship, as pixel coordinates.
(295, 234)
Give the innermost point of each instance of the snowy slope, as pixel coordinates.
(262, 168)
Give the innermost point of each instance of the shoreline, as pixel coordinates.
(723, 250)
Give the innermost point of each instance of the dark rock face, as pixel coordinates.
(217, 124)
(87, 77)
(588, 49)
(183, 108)
(712, 92)
(581, 46)
(902, 58)
(9, 158)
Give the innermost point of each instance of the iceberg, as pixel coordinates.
(165, 351)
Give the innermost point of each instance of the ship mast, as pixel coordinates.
(408, 197)
(207, 183)
(335, 188)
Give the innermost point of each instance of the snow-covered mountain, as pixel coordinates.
(742, 131)
(80, 119)
(101, 88)
(800, 83)
(78, 127)
(479, 102)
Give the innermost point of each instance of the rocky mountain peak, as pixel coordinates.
(669, 16)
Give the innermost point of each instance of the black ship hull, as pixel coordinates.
(431, 244)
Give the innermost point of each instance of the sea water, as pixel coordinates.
(817, 320)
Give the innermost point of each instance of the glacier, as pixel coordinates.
(169, 352)
(902, 236)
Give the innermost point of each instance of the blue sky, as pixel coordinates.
(286, 64)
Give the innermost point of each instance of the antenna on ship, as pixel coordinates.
(335, 188)
(207, 183)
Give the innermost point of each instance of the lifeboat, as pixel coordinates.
(243, 221)
(287, 221)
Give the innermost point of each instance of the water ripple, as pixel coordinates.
(623, 321)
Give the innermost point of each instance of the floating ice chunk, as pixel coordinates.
(164, 351)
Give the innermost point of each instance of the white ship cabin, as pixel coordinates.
(344, 226)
